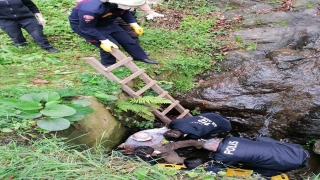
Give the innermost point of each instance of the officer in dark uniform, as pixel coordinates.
(94, 20)
(17, 14)
(203, 126)
(263, 155)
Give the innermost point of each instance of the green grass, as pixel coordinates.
(52, 158)
(184, 52)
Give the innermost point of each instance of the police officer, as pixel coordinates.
(264, 155)
(17, 14)
(94, 20)
(203, 126)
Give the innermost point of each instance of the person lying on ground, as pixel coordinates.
(265, 156)
(167, 151)
(204, 126)
(149, 137)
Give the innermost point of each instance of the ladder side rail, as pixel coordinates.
(100, 68)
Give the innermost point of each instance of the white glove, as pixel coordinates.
(151, 16)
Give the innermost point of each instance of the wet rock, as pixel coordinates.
(97, 129)
(316, 147)
(275, 90)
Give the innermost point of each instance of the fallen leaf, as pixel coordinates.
(40, 81)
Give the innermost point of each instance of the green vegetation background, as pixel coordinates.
(184, 52)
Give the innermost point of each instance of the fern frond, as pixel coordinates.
(150, 100)
(140, 110)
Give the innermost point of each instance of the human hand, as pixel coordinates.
(106, 45)
(42, 20)
(136, 28)
(121, 145)
(153, 15)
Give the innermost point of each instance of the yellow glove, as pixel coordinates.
(106, 45)
(136, 28)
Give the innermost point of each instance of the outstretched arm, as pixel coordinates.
(151, 13)
(181, 144)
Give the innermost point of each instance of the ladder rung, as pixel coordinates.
(163, 94)
(164, 118)
(170, 107)
(146, 87)
(125, 60)
(132, 76)
(118, 64)
(182, 115)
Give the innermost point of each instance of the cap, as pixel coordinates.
(141, 136)
(131, 3)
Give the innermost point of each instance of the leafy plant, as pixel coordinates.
(50, 110)
(141, 106)
(251, 47)
(309, 6)
(99, 86)
(283, 23)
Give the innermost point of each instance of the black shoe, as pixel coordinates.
(149, 61)
(53, 50)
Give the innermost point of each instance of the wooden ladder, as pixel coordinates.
(137, 72)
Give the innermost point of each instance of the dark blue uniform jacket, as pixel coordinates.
(17, 9)
(264, 153)
(201, 126)
(89, 15)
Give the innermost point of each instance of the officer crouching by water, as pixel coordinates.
(94, 20)
(264, 156)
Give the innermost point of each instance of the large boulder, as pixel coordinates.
(274, 90)
(99, 128)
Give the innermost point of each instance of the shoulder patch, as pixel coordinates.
(88, 18)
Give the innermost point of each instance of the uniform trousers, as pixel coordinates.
(117, 35)
(31, 25)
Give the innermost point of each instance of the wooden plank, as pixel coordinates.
(169, 108)
(128, 90)
(100, 68)
(146, 87)
(132, 76)
(185, 112)
(118, 64)
(163, 94)
(162, 117)
(118, 54)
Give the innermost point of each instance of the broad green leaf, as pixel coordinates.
(28, 105)
(52, 102)
(82, 110)
(6, 130)
(31, 97)
(66, 92)
(49, 96)
(58, 110)
(9, 101)
(83, 103)
(75, 117)
(53, 124)
(7, 111)
(29, 114)
(106, 97)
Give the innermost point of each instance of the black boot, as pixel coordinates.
(149, 61)
(52, 49)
